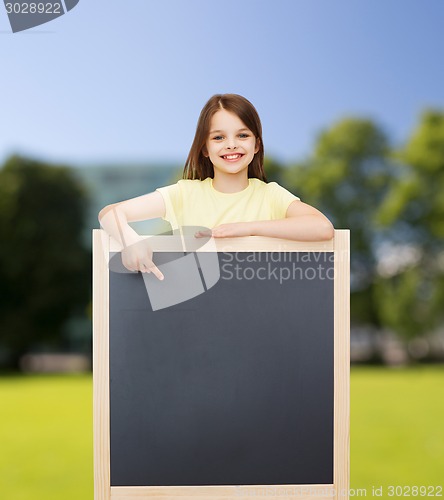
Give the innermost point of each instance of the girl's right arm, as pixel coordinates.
(136, 252)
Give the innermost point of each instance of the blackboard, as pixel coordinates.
(235, 386)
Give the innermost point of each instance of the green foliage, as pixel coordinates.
(418, 198)
(44, 269)
(407, 302)
(393, 208)
(414, 211)
(273, 170)
(389, 200)
(346, 177)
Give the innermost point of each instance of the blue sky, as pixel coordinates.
(125, 81)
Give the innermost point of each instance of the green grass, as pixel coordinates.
(46, 438)
(397, 427)
(397, 432)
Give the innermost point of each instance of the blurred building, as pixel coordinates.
(113, 183)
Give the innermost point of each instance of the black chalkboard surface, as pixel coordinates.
(234, 386)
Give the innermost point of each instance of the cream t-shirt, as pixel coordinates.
(198, 203)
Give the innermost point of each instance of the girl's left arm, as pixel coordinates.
(302, 222)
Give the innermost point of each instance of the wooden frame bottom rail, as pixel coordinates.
(300, 492)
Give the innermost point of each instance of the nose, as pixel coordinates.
(231, 143)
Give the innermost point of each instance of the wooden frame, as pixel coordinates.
(102, 245)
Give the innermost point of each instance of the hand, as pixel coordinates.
(230, 230)
(139, 257)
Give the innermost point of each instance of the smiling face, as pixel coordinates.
(230, 145)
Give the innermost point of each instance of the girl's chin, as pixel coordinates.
(234, 170)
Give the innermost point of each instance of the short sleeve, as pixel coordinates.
(172, 198)
(280, 199)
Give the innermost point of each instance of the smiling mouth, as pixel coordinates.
(232, 157)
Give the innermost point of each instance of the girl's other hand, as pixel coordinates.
(139, 257)
(230, 230)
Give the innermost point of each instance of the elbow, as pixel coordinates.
(101, 214)
(326, 230)
(105, 210)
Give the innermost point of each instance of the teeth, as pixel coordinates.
(232, 157)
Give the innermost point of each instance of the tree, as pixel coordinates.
(44, 269)
(274, 170)
(414, 209)
(346, 177)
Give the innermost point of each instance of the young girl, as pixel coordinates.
(223, 188)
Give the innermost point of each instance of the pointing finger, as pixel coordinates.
(156, 272)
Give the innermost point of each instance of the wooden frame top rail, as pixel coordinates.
(241, 244)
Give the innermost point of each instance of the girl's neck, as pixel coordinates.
(230, 183)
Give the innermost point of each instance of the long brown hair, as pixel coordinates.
(198, 166)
